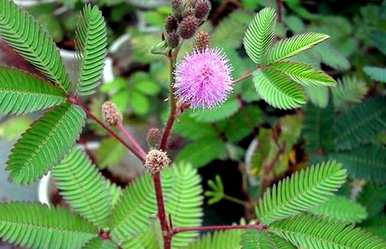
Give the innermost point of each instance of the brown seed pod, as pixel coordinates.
(173, 39)
(171, 24)
(188, 27)
(202, 9)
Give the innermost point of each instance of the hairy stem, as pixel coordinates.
(166, 229)
(135, 145)
(172, 103)
(234, 200)
(258, 227)
(140, 154)
(243, 77)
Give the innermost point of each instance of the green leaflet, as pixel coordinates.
(309, 232)
(376, 73)
(201, 152)
(84, 188)
(366, 161)
(253, 239)
(217, 113)
(304, 74)
(23, 33)
(291, 46)
(300, 192)
(340, 208)
(45, 143)
(230, 31)
(318, 129)
(134, 212)
(21, 92)
(91, 45)
(97, 243)
(39, 227)
(349, 90)
(218, 240)
(361, 123)
(278, 90)
(259, 35)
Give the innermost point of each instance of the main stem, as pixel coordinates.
(166, 229)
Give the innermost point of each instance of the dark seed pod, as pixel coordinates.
(171, 24)
(202, 9)
(177, 7)
(153, 137)
(188, 27)
(173, 39)
(201, 40)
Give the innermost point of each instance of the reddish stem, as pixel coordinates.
(243, 77)
(166, 230)
(131, 139)
(134, 150)
(258, 227)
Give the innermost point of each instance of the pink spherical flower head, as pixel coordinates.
(203, 78)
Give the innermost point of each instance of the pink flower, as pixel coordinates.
(203, 79)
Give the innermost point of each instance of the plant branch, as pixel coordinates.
(135, 151)
(257, 226)
(131, 139)
(243, 77)
(234, 200)
(166, 228)
(172, 101)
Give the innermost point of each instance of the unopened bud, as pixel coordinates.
(188, 27)
(156, 160)
(177, 7)
(171, 24)
(201, 40)
(153, 137)
(110, 113)
(173, 39)
(202, 9)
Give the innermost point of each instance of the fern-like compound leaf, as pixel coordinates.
(342, 209)
(39, 227)
(21, 92)
(376, 73)
(84, 188)
(304, 74)
(218, 240)
(318, 128)
(349, 90)
(131, 214)
(92, 42)
(292, 46)
(259, 34)
(97, 243)
(184, 201)
(134, 212)
(278, 90)
(310, 232)
(23, 33)
(253, 239)
(367, 162)
(45, 143)
(361, 123)
(300, 192)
